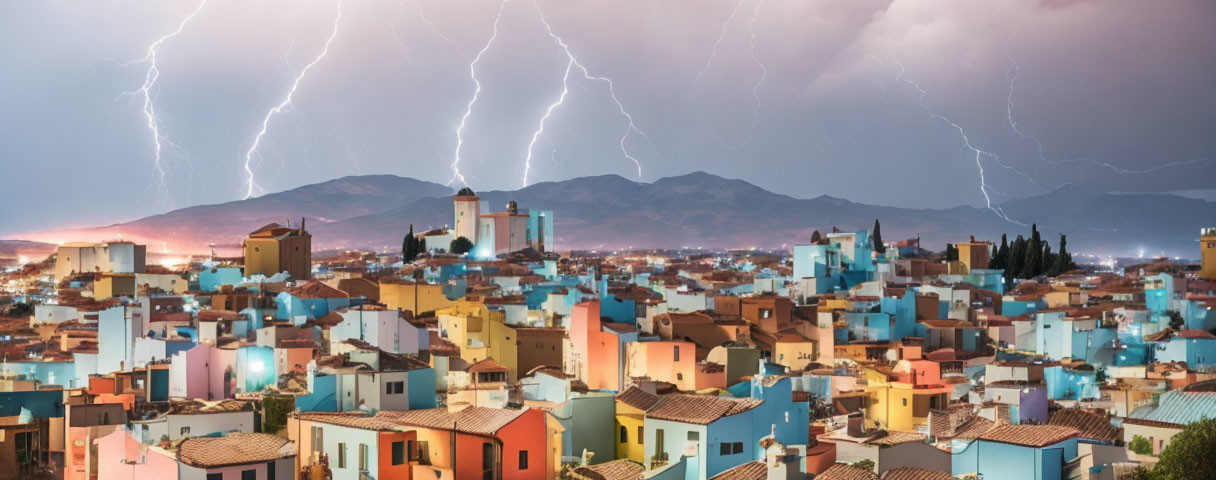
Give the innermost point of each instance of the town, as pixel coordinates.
(481, 350)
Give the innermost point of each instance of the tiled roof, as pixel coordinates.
(314, 289)
(349, 419)
(841, 471)
(638, 398)
(1092, 425)
(234, 449)
(699, 409)
(913, 473)
(746, 471)
(622, 469)
(1029, 435)
(475, 420)
(896, 438)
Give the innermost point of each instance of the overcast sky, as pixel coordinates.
(805, 97)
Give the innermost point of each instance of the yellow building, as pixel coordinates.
(902, 402)
(480, 333)
(1207, 249)
(422, 297)
(631, 407)
(973, 254)
(275, 248)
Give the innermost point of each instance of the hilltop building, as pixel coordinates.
(495, 233)
(275, 248)
(108, 257)
(1207, 249)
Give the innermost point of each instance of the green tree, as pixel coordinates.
(460, 246)
(1064, 261)
(865, 464)
(1176, 321)
(409, 246)
(1140, 445)
(951, 252)
(1034, 254)
(1189, 454)
(1000, 260)
(877, 238)
(1017, 258)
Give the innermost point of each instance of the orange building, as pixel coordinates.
(597, 351)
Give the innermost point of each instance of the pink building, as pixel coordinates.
(596, 355)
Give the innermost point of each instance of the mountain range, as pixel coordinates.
(692, 210)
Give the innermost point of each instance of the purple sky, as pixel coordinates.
(802, 97)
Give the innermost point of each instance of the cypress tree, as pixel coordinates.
(877, 238)
(1063, 259)
(1001, 259)
(409, 249)
(1034, 254)
(1017, 258)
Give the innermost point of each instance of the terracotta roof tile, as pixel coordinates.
(638, 398)
(913, 473)
(699, 409)
(622, 469)
(841, 471)
(475, 420)
(1029, 435)
(234, 449)
(1092, 425)
(746, 471)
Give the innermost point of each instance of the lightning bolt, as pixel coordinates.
(631, 126)
(980, 154)
(540, 129)
(1038, 145)
(468, 111)
(751, 44)
(709, 64)
(250, 184)
(151, 82)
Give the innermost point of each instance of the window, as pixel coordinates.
(766, 313)
(624, 434)
(731, 448)
(398, 453)
(317, 438)
(523, 459)
(185, 431)
(905, 401)
(641, 434)
(658, 442)
(411, 450)
(394, 388)
(249, 474)
(215, 476)
(363, 457)
(270, 474)
(341, 455)
(487, 455)
(676, 353)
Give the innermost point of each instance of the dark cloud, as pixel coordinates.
(1103, 87)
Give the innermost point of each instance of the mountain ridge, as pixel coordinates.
(694, 209)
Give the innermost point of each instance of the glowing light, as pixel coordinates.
(468, 111)
(250, 184)
(151, 82)
(257, 366)
(631, 127)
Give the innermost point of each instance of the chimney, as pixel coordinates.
(856, 426)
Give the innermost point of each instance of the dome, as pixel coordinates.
(466, 192)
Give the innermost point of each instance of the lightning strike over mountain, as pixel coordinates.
(151, 81)
(631, 127)
(468, 111)
(540, 129)
(979, 153)
(250, 183)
